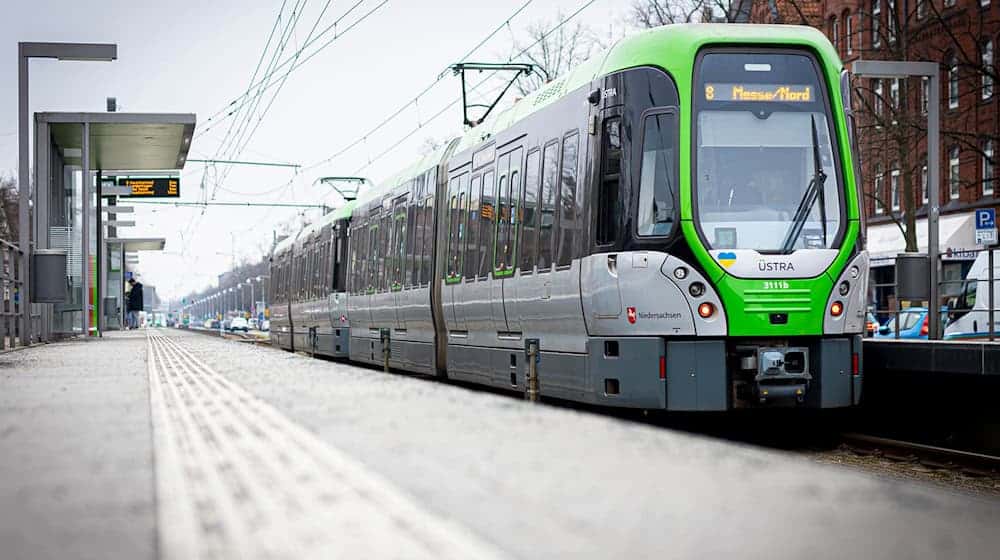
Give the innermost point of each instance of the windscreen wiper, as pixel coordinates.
(813, 192)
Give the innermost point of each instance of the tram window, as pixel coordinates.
(428, 260)
(529, 214)
(569, 219)
(418, 240)
(657, 176)
(514, 220)
(472, 239)
(502, 223)
(411, 226)
(608, 205)
(399, 247)
(487, 217)
(547, 202)
(453, 237)
(385, 268)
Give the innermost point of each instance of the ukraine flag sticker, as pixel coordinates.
(726, 259)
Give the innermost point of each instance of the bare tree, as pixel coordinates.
(9, 204)
(892, 131)
(654, 13)
(553, 49)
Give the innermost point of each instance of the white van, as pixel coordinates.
(970, 310)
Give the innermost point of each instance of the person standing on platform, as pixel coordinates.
(134, 305)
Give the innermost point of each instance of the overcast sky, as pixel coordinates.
(195, 56)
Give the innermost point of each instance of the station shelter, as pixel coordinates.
(83, 163)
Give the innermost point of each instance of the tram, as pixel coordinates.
(675, 224)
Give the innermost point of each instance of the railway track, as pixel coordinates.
(967, 462)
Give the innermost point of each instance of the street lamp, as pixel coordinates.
(253, 300)
(60, 51)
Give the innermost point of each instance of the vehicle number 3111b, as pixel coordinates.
(775, 285)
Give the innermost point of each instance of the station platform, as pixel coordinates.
(173, 444)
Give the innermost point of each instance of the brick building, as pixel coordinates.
(962, 36)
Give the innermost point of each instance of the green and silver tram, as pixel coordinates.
(674, 224)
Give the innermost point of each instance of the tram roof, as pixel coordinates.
(672, 47)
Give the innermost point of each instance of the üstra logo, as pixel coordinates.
(726, 258)
(631, 315)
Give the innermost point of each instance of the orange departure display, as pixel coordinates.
(152, 187)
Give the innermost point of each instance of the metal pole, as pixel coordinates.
(253, 302)
(532, 394)
(101, 268)
(85, 230)
(934, 211)
(24, 197)
(990, 277)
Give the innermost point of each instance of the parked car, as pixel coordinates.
(266, 325)
(252, 323)
(210, 324)
(237, 324)
(913, 324)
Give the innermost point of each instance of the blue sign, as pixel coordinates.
(986, 218)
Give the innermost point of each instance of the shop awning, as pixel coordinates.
(956, 240)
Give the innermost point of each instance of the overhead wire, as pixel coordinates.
(476, 86)
(266, 82)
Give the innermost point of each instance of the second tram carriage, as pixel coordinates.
(676, 224)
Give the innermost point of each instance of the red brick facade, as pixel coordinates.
(962, 35)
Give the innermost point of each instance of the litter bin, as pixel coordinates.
(913, 277)
(49, 283)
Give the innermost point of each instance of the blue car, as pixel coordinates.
(913, 324)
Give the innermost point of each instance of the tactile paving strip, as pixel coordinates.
(237, 479)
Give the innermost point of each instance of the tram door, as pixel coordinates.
(505, 253)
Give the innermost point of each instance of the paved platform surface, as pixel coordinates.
(261, 453)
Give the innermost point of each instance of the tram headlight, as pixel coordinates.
(680, 273)
(696, 289)
(836, 309)
(845, 287)
(706, 310)
(855, 272)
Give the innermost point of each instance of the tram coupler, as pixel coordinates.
(384, 335)
(533, 355)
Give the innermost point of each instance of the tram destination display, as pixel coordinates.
(761, 93)
(151, 187)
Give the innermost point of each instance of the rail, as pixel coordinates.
(929, 455)
(12, 309)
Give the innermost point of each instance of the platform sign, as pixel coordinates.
(986, 226)
(152, 187)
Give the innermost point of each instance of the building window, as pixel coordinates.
(894, 97)
(923, 184)
(876, 16)
(988, 168)
(921, 9)
(879, 179)
(949, 3)
(953, 177)
(925, 93)
(952, 82)
(878, 101)
(848, 39)
(987, 63)
(836, 34)
(894, 189)
(984, 3)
